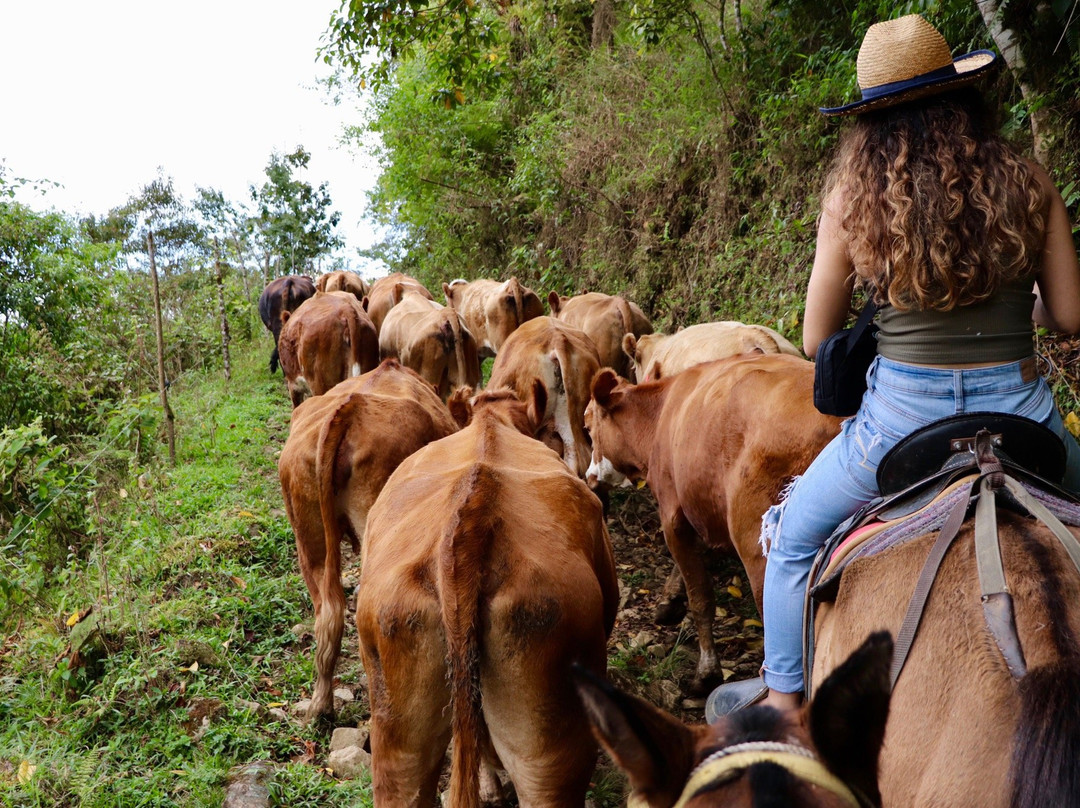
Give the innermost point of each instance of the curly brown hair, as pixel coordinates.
(939, 210)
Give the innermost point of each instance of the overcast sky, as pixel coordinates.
(97, 94)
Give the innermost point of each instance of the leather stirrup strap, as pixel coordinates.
(997, 603)
(1044, 515)
(906, 636)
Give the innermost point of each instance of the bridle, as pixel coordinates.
(731, 761)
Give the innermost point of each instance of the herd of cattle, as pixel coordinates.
(487, 570)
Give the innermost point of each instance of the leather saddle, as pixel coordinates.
(922, 467)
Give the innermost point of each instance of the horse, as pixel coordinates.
(824, 757)
(977, 718)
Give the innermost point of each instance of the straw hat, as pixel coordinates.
(907, 58)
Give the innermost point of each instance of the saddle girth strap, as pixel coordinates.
(906, 636)
(996, 601)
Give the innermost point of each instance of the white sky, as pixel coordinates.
(97, 94)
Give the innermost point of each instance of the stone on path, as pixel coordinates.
(249, 786)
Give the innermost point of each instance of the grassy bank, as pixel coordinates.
(188, 594)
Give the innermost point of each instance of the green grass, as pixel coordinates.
(194, 591)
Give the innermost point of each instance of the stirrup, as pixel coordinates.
(732, 696)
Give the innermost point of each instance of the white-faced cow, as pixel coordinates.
(564, 360)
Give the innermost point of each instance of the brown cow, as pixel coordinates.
(565, 360)
(341, 280)
(342, 447)
(325, 341)
(716, 443)
(280, 296)
(658, 355)
(606, 320)
(491, 310)
(381, 295)
(487, 573)
(431, 339)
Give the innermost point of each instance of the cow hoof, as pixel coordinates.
(703, 685)
(670, 612)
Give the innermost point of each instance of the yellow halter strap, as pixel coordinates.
(731, 761)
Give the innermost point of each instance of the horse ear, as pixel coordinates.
(603, 383)
(653, 748)
(460, 406)
(847, 715)
(554, 302)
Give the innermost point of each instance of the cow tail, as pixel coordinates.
(1046, 745)
(463, 556)
(459, 351)
(352, 331)
(519, 301)
(331, 620)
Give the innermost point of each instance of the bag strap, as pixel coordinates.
(869, 311)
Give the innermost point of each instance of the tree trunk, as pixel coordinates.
(162, 387)
(1009, 44)
(221, 307)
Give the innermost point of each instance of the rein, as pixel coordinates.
(730, 762)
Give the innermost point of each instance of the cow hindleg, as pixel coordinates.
(685, 546)
(672, 606)
(536, 727)
(404, 657)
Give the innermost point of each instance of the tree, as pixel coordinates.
(294, 223)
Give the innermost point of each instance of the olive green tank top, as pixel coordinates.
(996, 330)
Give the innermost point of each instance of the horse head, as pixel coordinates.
(823, 757)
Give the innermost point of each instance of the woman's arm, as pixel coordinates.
(828, 295)
(1057, 291)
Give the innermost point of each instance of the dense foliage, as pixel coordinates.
(670, 148)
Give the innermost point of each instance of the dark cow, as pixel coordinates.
(284, 294)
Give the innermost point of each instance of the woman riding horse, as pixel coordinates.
(962, 241)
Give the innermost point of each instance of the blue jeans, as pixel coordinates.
(899, 399)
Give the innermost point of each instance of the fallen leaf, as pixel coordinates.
(751, 622)
(123, 493)
(274, 704)
(177, 771)
(240, 582)
(26, 771)
(193, 667)
(248, 514)
(1072, 423)
(734, 591)
(73, 619)
(640, 484)
(727, 673)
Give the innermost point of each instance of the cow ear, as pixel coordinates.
(285, 315)
(398, 291)
(653, 748)
(460, 405)
(629, 345)
(365, 302)
(538, 404)
(847, 715)
(531, 304)
(555, 302)
(603, 383)
(656, 373)
(448, 290)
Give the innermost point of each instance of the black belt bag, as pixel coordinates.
(841, 363)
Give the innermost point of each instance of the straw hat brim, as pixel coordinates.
(969, 68)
